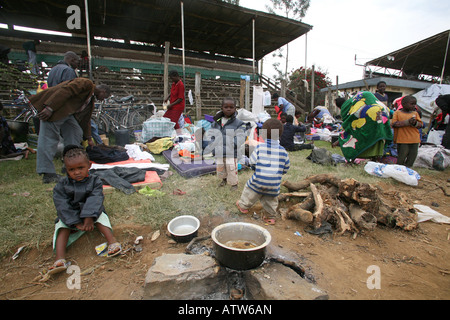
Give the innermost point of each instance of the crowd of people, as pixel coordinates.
(65, 111)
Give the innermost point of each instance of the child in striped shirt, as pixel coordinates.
(270, 161)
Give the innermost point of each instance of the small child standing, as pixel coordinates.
(78, 200)
(406, 123)
(270, 161)
(228, 135)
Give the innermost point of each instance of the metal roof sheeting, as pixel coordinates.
(424, 57)
(210, 25)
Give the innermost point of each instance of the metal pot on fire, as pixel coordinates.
(240, 245)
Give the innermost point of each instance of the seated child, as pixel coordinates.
(287, 138)
(78, 200)
(270, 161)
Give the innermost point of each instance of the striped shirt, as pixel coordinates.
(271, 161)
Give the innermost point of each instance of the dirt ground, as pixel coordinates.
(412, 264)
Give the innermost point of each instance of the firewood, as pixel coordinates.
(350, 205)
(308, 203)
(344, 222)
(362, 219)
(284, 196)
(320, 178)
(297, 213)
(318, 210)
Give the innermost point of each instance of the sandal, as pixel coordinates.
(59, 266)
(240, 209)
(114, 249)
(178, 192)
(269, 221)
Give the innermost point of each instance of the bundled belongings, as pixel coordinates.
(433, 157)
(107, 154)
(157, 127)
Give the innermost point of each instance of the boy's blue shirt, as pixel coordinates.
(270, 161)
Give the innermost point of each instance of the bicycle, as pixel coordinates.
(28, 113)
(115, 114)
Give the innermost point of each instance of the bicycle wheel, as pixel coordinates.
(136, 120)
(33, 122)
(103, 124)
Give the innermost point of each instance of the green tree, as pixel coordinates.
(297, 84)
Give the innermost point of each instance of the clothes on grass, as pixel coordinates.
(366, 125)
(121, 178)
(107, 154)
(270, 161)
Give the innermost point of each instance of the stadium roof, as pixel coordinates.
(211, 26)
(424, 57)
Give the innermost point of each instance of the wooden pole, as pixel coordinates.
(166, 69)
(312, 86)
(198, 100)
(306, 69)
(445, 58)
(182, 40)
(253, 47)
(247, 95)
(88, 37)
(242, 94)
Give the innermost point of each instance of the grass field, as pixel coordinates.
(27, 213)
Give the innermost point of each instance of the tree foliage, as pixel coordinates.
(296, 84)
(290, 9)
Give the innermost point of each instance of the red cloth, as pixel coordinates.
(174, 113)
(278, 111)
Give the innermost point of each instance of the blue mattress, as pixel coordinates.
(188, 170)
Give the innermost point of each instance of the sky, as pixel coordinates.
(367, 29)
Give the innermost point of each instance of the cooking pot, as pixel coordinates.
(19, 130)
(240, 245)
(183, 228)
